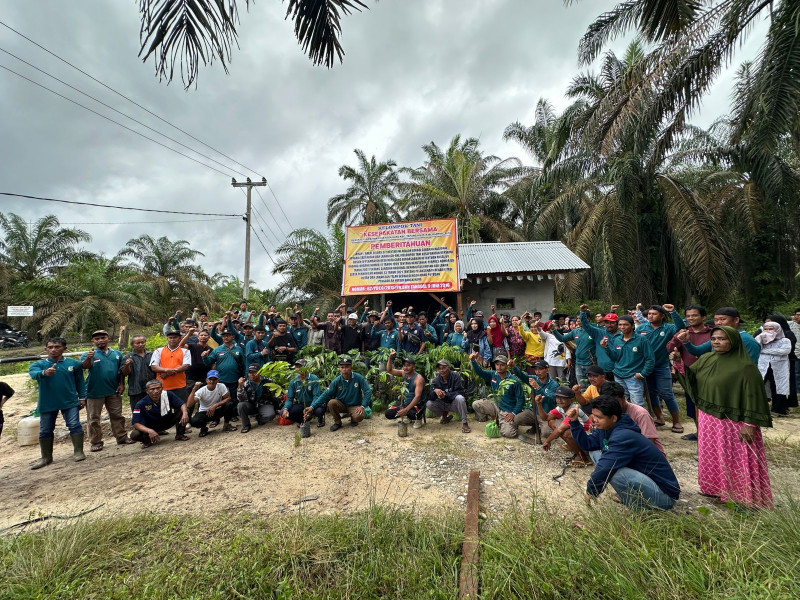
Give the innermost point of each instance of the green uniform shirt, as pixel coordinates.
(61, 390)
(631, 356)
(513, 398)
(103, 376)
(354, 392)
(302, 393)
(230, 362)
(658, 338)
(584, 344)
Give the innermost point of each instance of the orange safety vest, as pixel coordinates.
(172, 359)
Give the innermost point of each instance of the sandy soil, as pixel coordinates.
(265, 472)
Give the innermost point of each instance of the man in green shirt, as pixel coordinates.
(104, 388)
(61, 388)
(348, 393)
(507, 389)
(301, 393)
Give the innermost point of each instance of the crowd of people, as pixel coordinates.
(585, 380)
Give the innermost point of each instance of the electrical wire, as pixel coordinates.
(127, 116)
(145, 222)
(262, 244)
(113, 121)
(155, 210)
(108, 87)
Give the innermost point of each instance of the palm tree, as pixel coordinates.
(624, 207)
(371, 196)
(92, 293)
(37, 251)
(311, 264)
(170, 270)
(462, 183)
(199, 31)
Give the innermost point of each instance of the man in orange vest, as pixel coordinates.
(170, 364)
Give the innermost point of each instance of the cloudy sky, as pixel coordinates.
(415, 71)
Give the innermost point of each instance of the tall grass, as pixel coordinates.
(603, 552)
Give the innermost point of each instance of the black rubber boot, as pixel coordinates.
(77, 447)
(46, 446)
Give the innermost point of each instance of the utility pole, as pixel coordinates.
(249, 185)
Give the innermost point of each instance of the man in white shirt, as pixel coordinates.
(215, 403)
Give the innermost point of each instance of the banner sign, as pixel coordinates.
(419, 256)
(19, 311)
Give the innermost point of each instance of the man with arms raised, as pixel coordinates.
(633, 359)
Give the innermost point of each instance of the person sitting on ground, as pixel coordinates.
(623, 457)
(215, 403)
(559, 424)
(447, 394)
(544, 388)
(301, 393)
(348, 393)
(597, 377)
(639, 415)
(159, 410)
(412, 404)
(507, 387)
(254, 399)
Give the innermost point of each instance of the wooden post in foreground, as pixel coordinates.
(468, 578)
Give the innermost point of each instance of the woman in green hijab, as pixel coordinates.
(732, 407)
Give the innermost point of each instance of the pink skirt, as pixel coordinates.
(728, 468)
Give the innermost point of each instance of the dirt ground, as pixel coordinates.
(268, 471)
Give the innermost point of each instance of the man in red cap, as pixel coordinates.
(610, 332)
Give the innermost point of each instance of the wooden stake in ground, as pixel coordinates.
(468, 578)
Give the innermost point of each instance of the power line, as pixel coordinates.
(145, 222)
(272, 238)
(278, 202)
(262, 244)
(108, 87)
(112, 120)
(271, 216)
(127, 116)
(155, 210)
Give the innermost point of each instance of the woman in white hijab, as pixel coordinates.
(775, 348)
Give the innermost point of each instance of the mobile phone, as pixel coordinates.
(476, 348)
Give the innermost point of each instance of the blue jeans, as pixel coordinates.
(638, 492)
(634, 389)
(659, 384)
(47, 421)
(581, 376)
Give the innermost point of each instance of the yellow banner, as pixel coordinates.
(417, 256)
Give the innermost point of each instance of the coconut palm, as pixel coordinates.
(311, 264)
(170, 270)
(371, 196)
(462, 183)
(92, 293)
(191, 32)
(37, 251)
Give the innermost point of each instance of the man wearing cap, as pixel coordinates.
(447, 395)
(247, 336)
(411, 405)
(257, 352)
(659, 381)
(597, 378)
(543, 390)
(61, 388)
(156, 412)
(298, 330)
(228, 361)
(371, 342)
(104, 388)
(351, 334)
(281, 344)
(633, 359)
(170, 364)
(412, 337)
(136, 367)
(559, 424)
(727, 316)
(348, 393)
(508, 389)
(610, 333)
(301, 393)
(254, 399)
(214, 400)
